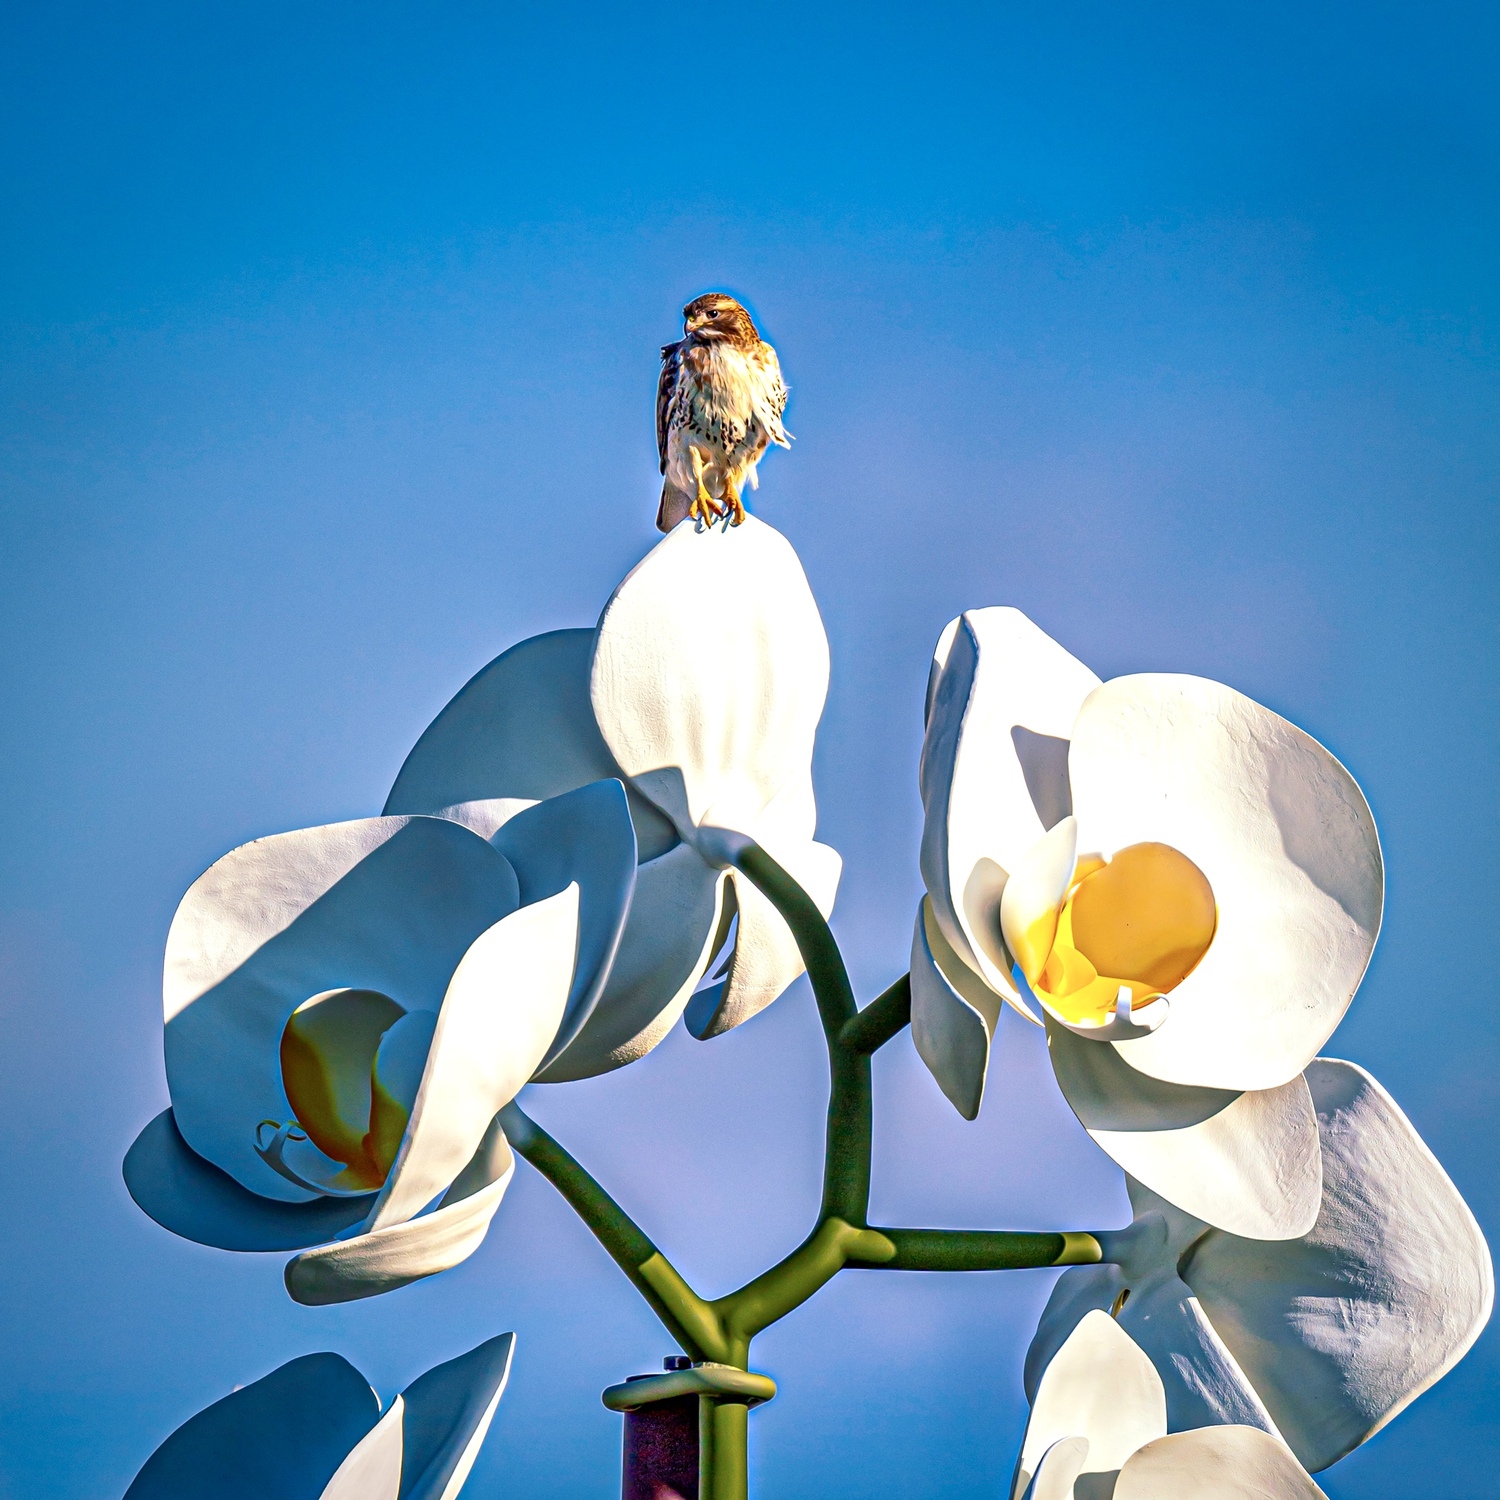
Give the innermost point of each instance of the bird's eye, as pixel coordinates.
(714, 313)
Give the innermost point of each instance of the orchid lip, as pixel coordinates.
(273, 1156)
(1126, 1023)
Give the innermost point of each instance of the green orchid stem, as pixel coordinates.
(883, 1018)
(685, 1315)
(979, 1250)
(846, 1165)
(721, 1331)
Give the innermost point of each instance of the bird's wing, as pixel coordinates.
(671, 363)
(775, 395)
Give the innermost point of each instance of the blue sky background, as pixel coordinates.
(327, 352)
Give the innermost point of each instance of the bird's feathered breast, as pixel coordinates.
(728, 392)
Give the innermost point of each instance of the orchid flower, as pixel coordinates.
(1099, 1428)
(701, 688)
(313, 1430)
(348, 1007)
(1320, 1340)
(1182, 886)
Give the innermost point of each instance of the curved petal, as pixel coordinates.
(584, 836)
(1216, 1463)
(1286, 840)
(1079, 1291)
(1203, 1381)
(1341, 1329)
(372, 1471)
(1058, 1471)
(940, 654)
(953, 1015)
(193, 1198)
(281, 1438)
(499, 1017)
(994, 774)
(765, 958)
(1245, 1162)
(710, 671)
(448, 1413)
(383, 1259)
(1100, 1386)
(382, 904)
(1033, 895)
(670, 937)
(522, 727)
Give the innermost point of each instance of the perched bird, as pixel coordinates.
(718, 407)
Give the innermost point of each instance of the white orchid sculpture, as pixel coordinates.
(609, 829)
(313, 1430)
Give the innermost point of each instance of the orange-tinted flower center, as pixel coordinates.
(329, 1067)
(1142, 920)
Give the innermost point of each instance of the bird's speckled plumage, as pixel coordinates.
(718, 408)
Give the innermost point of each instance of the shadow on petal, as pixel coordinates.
(282, 1438)
(448, 1413)
(193, 1198)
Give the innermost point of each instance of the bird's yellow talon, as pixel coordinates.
(705, 509)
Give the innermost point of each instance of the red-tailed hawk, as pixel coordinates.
(718, 408)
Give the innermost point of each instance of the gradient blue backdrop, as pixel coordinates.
(327, 347)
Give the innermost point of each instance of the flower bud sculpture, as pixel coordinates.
(609, 829)
(313, 1430)
(1099, 1426)
(1319, 1340)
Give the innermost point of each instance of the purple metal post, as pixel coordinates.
(661, 1446)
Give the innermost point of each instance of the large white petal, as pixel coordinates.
(1245, 1162)
(953, 1015)
(1101, 1386)
(384, 904)
(280, 1438)
(1344, 1327)
(584, 836)
(383, 1259)
(1216, 1463)
(502, 1010)
(193, 1198)
(522, 727)
(1287, 842)
(710, 671)
(372, 1471)
(672, 932)
(448, 1413)
(994, 774)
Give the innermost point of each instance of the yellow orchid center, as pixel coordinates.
(330, 1052)
(1142, 921)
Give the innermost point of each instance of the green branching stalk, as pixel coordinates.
(685, 1315)
(883, 1018)
(814, 1263)
(978, 1250)
(846, 1166)
(721, 1331)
